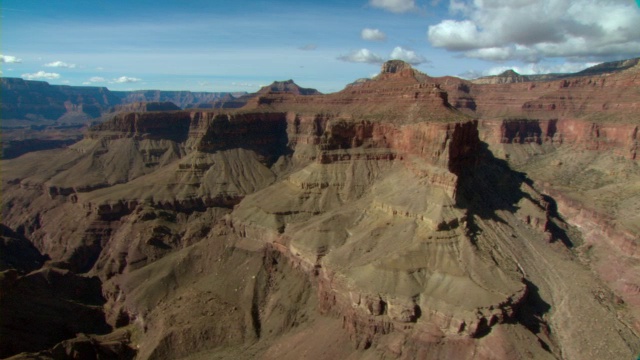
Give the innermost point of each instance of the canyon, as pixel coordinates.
(40, 116)
(405, 216)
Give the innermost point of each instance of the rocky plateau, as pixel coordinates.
(404, 217)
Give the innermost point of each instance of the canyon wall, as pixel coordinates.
(420, 217)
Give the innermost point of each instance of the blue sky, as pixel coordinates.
(241, 45)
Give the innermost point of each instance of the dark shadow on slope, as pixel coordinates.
(483, 329)
(48, 306)
(557, 225)
(533, 308)
(18, 253)
(559, 233)
(264, 134)
(531, 313)
(487, 184)
(16, 148)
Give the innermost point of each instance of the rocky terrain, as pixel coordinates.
(403, 217)
(510, 76)
(27, 102)
(38, 116)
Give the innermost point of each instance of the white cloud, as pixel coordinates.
(396, 6)
(454, 35)
(126, 79)
(398, 53)
(41, 75)
(9, 59)
(362, 56)
(406, 55)
(95, 79)
(373, 35)
(60, 64)
(532, 30)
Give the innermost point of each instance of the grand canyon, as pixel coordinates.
(404, 217)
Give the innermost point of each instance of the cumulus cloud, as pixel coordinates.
(40, 75)
(8, 59)
(126, 79)
(398, 53)
(96, 79)
(60, 64)
(396, 6)
(373, 35)
(531, 30)
(410, 56)
(454, 35)
(362, 56)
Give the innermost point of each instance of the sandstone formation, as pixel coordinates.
(404, 217)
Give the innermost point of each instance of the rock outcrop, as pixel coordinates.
(507, 77)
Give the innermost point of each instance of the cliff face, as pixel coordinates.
(145, 107)
(599, 98)
(619, 139)
(37, 116)
(182, 99)
(34, 102)
(39, 101)
(404, 212)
